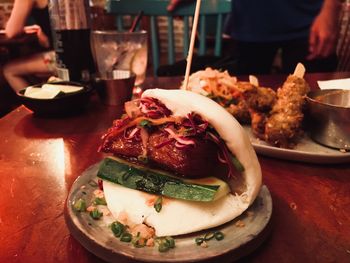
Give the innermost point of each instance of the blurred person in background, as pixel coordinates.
(38, 64)
(303, 30)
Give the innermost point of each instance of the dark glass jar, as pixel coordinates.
(70, 22)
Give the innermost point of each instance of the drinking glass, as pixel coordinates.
(114, 50)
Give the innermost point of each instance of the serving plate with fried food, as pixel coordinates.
(273, 119)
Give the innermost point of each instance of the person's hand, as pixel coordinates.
(173, 4)
(323, 34)
(42, 38)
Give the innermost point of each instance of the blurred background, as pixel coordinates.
(101, 20)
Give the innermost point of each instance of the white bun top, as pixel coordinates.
(182, 102)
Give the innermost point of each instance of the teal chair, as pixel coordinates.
(155, 8)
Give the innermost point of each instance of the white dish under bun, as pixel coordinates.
(181, 217)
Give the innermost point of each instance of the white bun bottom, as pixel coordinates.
(176, 216)
(181, 217)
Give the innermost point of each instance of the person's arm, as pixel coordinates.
(20, 12)
(42, 38)
(324, 30)
(16, 23)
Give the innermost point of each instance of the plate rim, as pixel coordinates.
(298, 155)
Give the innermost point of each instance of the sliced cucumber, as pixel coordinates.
(160, 183)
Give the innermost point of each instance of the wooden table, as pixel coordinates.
(40, 159)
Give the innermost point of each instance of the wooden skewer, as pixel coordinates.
(193, 36)
(254, 80)
(299, 71)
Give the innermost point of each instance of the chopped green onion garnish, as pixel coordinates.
(99, 201)
(163, 247)
(237, 164)
(170, 241)
(79, 205)
(165, 243)
(209, 236)
(219, 236)
(117, 228)
(95, 214)
(158, 204)
(199, 240)
(136, 241)
(145, 123)
(126, 237)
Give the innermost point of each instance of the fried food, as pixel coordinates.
(260, 98)
(237, 97)
(240, 111)
(258, 122)
(283, 127)
(274, 117)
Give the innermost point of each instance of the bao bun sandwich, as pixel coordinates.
(185, 148)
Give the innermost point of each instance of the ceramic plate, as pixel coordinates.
(242, 235)
(306, 150)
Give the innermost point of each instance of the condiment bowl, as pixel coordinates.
(62, 105)
(328, 117)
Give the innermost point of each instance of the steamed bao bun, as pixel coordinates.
(179, 216)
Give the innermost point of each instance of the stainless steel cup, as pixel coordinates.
(329, 117)
(116, 91)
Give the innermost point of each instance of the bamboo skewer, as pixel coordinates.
(299, 70)
(254, 80)
(193, 36)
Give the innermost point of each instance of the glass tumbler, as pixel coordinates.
(115, 50)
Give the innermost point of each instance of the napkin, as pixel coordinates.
(334, 84)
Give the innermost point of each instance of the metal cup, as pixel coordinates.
(328, 113)
(117, 90)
